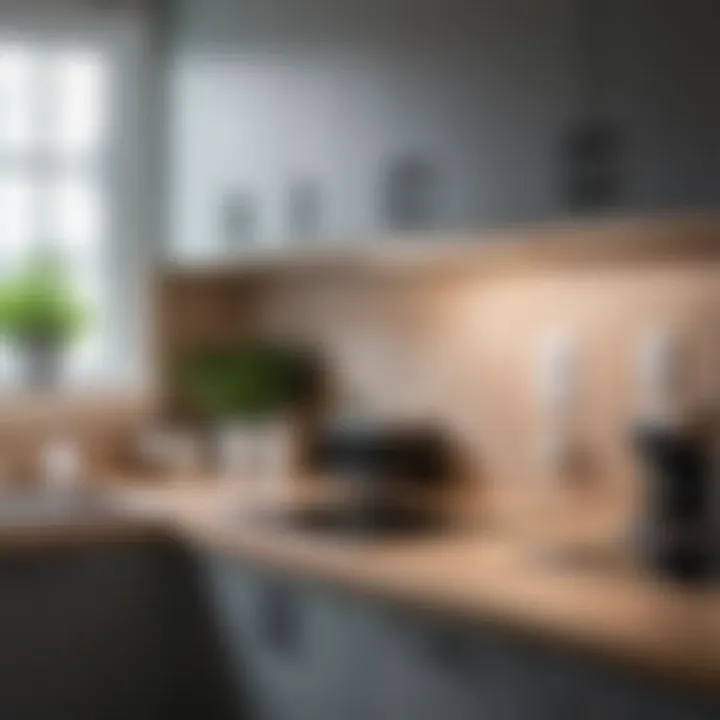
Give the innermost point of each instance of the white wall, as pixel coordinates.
(267, 90)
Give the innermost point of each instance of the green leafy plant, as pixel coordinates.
(38, 305)
(251, 381)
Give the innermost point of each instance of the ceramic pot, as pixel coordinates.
(260, 450)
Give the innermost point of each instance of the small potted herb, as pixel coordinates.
(41, 317)
(250, 394)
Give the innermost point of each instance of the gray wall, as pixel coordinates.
(662, 60)
(265, 91)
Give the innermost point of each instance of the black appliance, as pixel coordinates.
(677, 531)
(379, 454)
(372, 459)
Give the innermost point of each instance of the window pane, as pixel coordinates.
(54, 116)
(79, 87)
(76, 219)
(17, 77)
(88, 279)
(87, 355)
(17, 226)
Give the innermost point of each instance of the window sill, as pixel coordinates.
(17, 405)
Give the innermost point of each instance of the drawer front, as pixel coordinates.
(293, 646)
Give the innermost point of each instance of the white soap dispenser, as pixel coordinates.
(557, 387)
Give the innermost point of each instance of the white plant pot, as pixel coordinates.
(234, 445)
(256, 451)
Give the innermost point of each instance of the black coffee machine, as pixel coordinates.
(677, 536)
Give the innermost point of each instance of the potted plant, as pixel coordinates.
(40, 316)
(249, 394)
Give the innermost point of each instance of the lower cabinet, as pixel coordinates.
(436, 669)
(113, 632)
(293, 649)
(300, 651)
(81, 636)
(127, 633)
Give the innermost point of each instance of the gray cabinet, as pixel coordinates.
(292, 647)
(608, 694)
(436, 668)
(425, 669)
(302, 651)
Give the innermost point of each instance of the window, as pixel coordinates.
(54, 110)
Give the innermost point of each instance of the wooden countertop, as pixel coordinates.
(606, 609)
(46, 522)
(68, 534)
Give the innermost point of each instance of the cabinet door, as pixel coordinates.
(292, 645)
(302, 652)
(336, 658)
(563, 685)
(612, 695)
(80, 637)
(427, 668)
(231, 594)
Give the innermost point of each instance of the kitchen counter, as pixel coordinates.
(605, 609)
(48, 521)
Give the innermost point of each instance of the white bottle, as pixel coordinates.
(61, 464)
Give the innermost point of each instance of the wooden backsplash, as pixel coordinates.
(462, 347)
(103, 426)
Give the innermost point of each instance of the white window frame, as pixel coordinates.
(129, 173)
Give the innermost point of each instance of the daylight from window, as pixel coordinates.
(54, 194)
